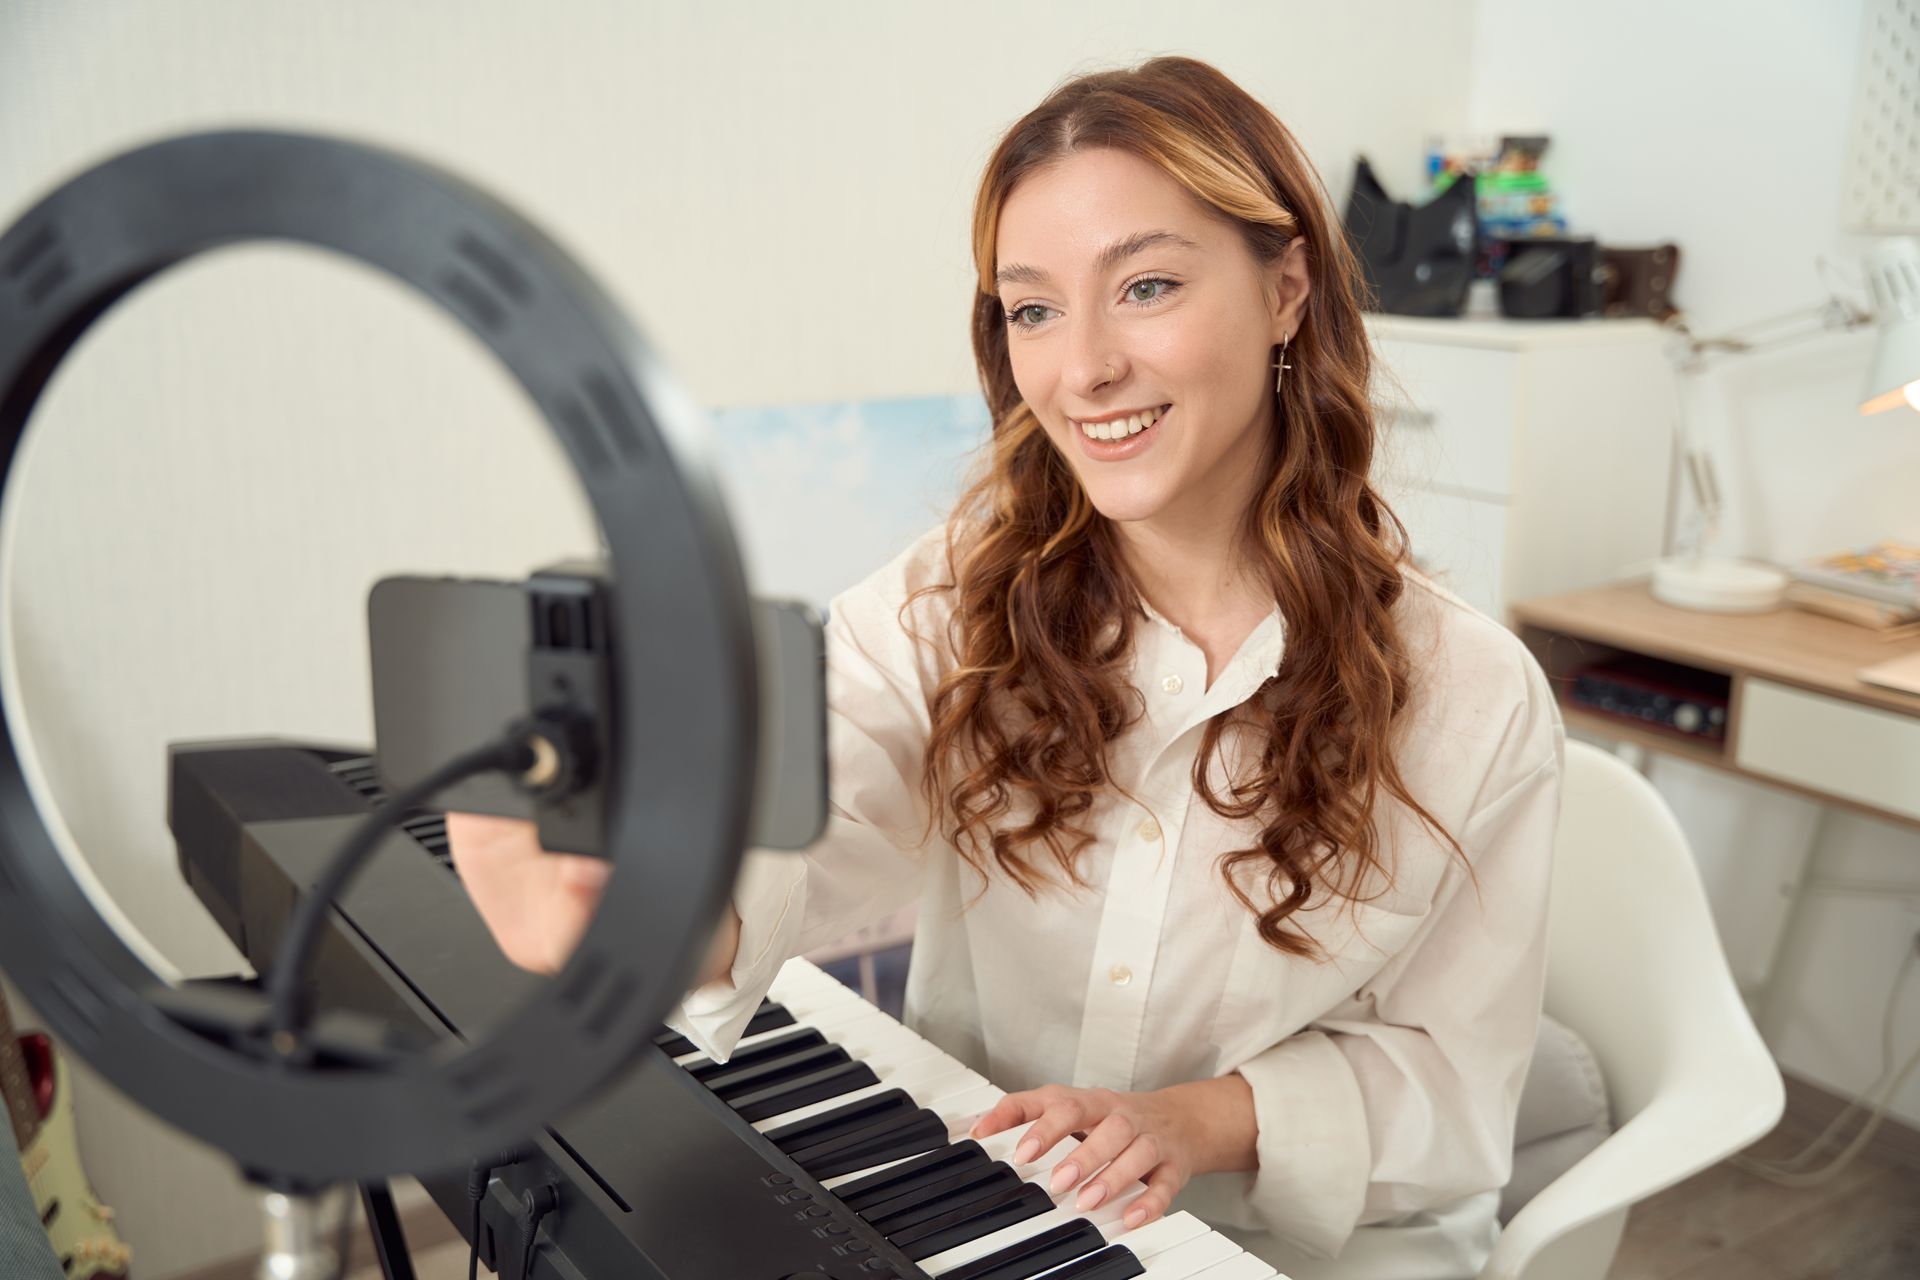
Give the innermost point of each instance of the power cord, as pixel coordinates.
(535, 1205)
(479, 1177)
(1793, 1171)
(511, 753)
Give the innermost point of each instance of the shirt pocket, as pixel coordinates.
(1270, 995)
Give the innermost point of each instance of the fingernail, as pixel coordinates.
(1135, 1217)
(1029, 1148)
(1065, 1176)
(1091, 1197)
(588, 873)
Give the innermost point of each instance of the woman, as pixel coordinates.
(1230, 831)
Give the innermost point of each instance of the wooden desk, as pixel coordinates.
(1797, 717)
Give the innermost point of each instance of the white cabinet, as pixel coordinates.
(1525, 457)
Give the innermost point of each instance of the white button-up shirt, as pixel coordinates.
(1385, 1077)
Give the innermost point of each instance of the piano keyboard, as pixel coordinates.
(880, 1116)
(831, 1147)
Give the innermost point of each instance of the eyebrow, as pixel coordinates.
(1111, 256)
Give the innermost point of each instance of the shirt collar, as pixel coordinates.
(1258, 658)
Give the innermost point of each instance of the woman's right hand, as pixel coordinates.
(538, 904)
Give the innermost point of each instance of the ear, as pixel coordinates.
(1288, 284)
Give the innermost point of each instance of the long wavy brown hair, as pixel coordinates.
(1038, 686)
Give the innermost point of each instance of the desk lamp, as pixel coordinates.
(1726, 585)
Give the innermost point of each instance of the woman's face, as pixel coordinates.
(1140, 330)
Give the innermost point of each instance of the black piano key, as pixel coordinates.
(793, 1094)
(885, 1184)
(768, 1017)
(792, 1041)
(759, 1076)
(972, 1221)
(1115, 1263)
(1030, 1257)
(675, 1045)
(952, 1209)
(831, 1124)
(936, 1198)
(866, 1132)
(927, 1132)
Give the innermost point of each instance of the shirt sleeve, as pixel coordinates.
(868, 862)
(1404, 1097)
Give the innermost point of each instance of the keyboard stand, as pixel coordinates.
(389, 1236)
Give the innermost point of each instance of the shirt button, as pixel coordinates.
(1173, 684)
(1120, 974)
(1149, 829)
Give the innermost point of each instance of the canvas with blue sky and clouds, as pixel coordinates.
(821, 495)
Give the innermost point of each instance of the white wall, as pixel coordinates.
(778, 192)
(1722, 126)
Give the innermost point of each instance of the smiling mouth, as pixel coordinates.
(1121, 428)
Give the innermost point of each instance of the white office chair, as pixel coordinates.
(1634, 966)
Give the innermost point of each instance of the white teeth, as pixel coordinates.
(1121, 428)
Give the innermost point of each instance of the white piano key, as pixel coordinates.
(962, 1109)
(1001, 1146)
(1158, 1236)
(801, 985)
(1244, 1267)
(934, 1080)
(1191, 1259)
(833, 1017)
(808, 1002)
(893, 1055)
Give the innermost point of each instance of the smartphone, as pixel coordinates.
(456, 660)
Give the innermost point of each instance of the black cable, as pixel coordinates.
(509, 754)
(536, 1205)
(478, 1177)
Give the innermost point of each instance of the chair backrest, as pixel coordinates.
(1634, 963)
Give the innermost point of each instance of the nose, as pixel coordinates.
(1095, 359)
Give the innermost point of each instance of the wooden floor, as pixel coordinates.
(1725, 1224)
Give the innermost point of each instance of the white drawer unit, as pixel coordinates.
(1525, 457)
(1829, 745)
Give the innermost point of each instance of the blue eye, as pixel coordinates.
(1145, 292)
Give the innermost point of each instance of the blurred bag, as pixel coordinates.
(1638, 282)
(1419, 260)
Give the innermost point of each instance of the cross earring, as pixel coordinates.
(1280, 365)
